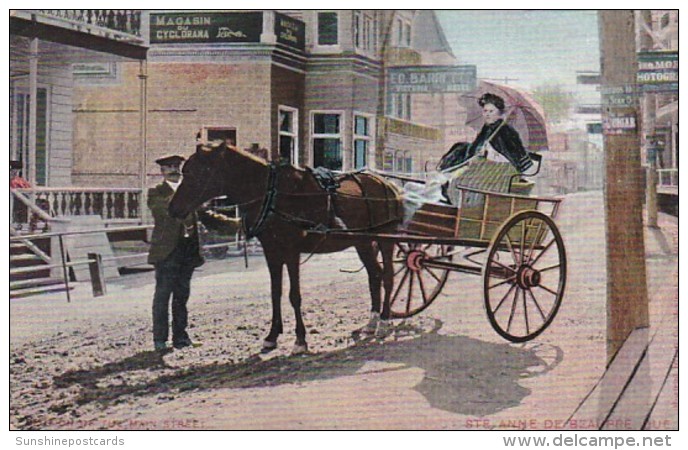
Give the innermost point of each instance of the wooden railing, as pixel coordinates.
(112, 204)
(667, 177)
(126, 21)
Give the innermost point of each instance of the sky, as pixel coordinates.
(533, 47)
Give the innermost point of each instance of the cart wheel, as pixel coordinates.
(415, 284)
(524, 276)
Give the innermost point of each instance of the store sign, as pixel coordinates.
(622, 96)
(619, 124)
(194, 28)
(93, 68)
(431, 79)
(290, 32)
(658, 71)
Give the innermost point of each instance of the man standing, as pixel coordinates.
(175, 253)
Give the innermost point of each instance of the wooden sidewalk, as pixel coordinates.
(639, 389)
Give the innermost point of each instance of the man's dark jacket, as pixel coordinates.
(168, 231)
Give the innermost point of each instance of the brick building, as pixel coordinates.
(306, 85)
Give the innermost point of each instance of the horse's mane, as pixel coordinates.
(246, 154)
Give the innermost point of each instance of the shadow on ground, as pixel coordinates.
(461, 375)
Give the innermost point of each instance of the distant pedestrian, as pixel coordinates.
(16, 180)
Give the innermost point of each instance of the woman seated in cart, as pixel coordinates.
(493, 159)
(492, 162)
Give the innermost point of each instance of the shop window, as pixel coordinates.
(327, 141)
(288, 134)
(328, 33)
(227, 134)
(362, 140)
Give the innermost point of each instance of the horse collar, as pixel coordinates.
(268, 205)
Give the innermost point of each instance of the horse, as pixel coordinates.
(280, 204)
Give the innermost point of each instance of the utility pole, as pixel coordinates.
(645, 42)
(627, 303)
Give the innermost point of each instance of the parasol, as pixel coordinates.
(522, 112)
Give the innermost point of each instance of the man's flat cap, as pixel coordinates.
(172, 160)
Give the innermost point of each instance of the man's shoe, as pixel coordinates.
(186, 343)
(161, 346)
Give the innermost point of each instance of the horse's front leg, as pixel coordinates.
(293, 268)
(275, 268)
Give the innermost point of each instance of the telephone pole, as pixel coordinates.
(627, 301)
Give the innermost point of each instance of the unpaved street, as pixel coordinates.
(88, 364)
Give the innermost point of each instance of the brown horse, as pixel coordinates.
(280, 204)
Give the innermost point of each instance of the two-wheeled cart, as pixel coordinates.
(510, 240)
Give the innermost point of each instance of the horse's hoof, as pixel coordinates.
(300, 349)
(371, 326)
(384, 328)
(268, 346)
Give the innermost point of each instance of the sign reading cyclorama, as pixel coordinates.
(195, 27)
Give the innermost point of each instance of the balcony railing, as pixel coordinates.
(112, 204)
(125, 21)
(667, 178)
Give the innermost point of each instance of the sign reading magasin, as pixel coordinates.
(431, 79)
(205, 27)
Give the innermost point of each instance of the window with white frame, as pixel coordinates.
(400, 32)
(362, 140)
(357, 29)
(407, 35)
(288, 132)
(365, 30)
(328, 28)
(327, 140)
(400, 106)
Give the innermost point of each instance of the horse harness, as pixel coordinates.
(328, 182)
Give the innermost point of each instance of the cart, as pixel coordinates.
(510, 240)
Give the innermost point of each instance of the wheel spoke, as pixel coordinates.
(556, 266)
(422, 287)
(523, 239)
(525, 312)
(410, 293)
(544, 250)
(513, 309)
(542, 314)
(502, 265)
(508, 280)
(532, 244)
(439, 280)
(501, 302)
(510, 245)
(402, 267)
(553, 292)
(401, 283)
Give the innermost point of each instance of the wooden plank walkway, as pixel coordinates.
(639, 389)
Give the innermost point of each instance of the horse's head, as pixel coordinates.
(203, 179)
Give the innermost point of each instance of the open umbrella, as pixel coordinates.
(522, 112)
